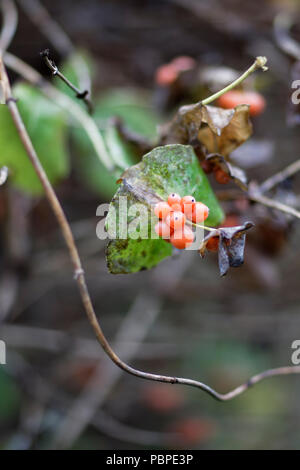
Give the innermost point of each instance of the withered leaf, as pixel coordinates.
(185, 125)
(219, 130)
(228, 131)
(234, 172)
(231, 246)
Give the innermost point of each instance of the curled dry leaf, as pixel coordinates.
(234, 172)
(219, 130)
(227, 129)
(231, 245)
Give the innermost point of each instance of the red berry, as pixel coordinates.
(182, 63)
(213, 244)
(162, 209)
(176, 220)
(166, 75)
(200, 213)
(163, 230)
(233, 98)
(221, 176)
(182, 238)
(174, 199)
(175, 207)
(187, 204)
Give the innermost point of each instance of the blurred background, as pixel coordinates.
(58, 390)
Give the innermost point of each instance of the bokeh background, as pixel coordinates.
(58, 390)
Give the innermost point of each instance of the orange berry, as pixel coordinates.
(200, 213)
(221, 176)
(163, 230)
(213, 244)
(175, 207)
(176, 220)
(233, 98)
(182, 238)
(187, 204)
(161, 210)
(174, 199)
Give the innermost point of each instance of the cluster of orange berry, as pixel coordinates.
(174, 215)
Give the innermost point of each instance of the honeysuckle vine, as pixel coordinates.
(9, 15)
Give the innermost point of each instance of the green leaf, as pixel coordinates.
(46, 126)
(10, 397)
(133, 107)
(167, 169)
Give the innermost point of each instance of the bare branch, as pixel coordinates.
(282, 175)
(10, 21)
(281, 28)
(255, 195)
(81, 95)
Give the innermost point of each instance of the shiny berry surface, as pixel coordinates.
(162, 209)
(174, 198)
(182, 238)
(176, 219)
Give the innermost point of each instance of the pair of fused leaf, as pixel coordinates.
(231, 246)
(166, 169)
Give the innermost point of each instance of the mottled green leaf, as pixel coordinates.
(166, 169)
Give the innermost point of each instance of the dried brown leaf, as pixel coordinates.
(231, 245)
(225, 132)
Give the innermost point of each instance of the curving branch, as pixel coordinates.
(79, 276)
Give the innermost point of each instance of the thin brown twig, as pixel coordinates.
(282, 175)
(10, 22)
(281, 27)
(81, 95)
(78, 270)
(272, 203)
(52, 30)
